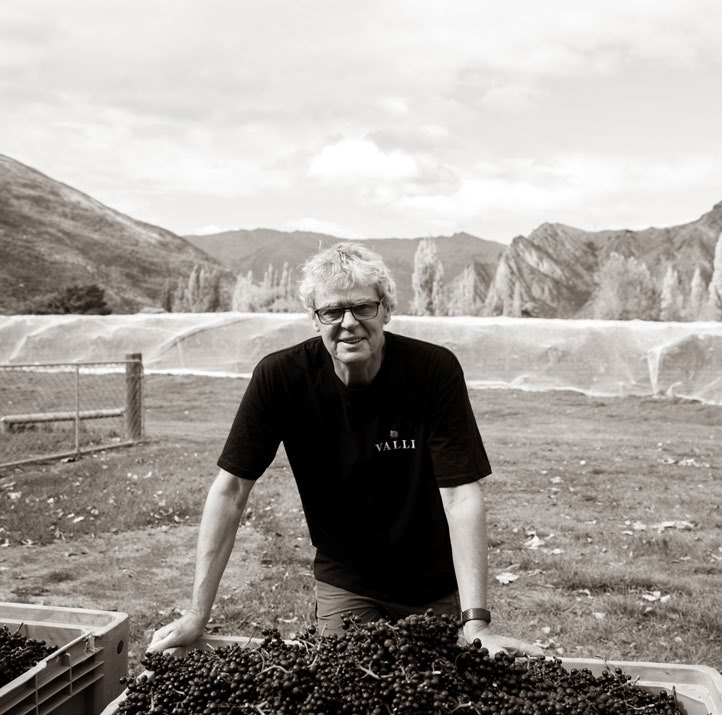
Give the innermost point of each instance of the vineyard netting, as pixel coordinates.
(613, 358)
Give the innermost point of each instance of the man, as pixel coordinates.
(384, 447)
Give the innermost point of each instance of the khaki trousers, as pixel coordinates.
(333, 603)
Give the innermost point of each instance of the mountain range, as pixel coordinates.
(52, 236)
(555, 266)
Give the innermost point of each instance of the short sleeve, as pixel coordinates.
(455, 444)
(254, 437)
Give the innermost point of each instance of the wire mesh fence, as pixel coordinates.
(62, 409)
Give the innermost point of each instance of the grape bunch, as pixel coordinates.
(18, 654)
(414, 665)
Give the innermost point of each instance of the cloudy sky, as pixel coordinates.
(372, 118)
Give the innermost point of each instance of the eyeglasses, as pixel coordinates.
(360, 311)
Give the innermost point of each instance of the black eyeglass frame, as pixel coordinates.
(346, 308)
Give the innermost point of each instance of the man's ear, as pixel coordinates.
(387, 317)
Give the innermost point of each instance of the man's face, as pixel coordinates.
(352, 341)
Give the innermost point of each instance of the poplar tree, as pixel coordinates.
(200, 293)
(625, 291)
(242, 299)
(466, 295)
(166, 295)
(269, 278)
(180, 299)
(697, 297)
(516, 302)
(671, 299)
(211, 286)
(714, 300)
(427, 280)
(194, 289)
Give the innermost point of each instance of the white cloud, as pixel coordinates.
(435, 132)
(321, 109)
(395, 106)
(510, 97)
(361, 160)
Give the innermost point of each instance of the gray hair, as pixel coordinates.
(343, 266)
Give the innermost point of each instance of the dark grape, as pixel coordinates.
(414, 665)
(18, 654)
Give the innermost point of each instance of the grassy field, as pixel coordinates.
(605, 524)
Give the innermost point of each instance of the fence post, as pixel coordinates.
(134, 396)
(77, 409)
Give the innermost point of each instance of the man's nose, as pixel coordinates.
(349, 319)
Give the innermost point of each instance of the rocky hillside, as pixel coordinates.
(254, 250)
(53, 236)
(554, 268)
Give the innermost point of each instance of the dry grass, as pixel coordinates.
(605, 510)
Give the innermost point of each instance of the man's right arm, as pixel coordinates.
(222, 513)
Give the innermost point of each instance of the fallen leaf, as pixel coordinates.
(534, 542)
(681, 525)
(506, 577)
(692, 462)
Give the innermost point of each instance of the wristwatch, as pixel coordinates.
(475, 614)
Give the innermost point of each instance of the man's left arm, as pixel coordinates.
(466, 515)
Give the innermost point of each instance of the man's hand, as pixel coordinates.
(182, 632)
(498, 644)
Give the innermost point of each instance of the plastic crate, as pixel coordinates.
(82, 676)
(698, 688)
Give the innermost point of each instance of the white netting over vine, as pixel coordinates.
(595, 357)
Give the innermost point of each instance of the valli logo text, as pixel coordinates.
(395, 443)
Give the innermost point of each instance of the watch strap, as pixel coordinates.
(475, 614)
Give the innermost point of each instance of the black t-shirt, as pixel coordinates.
(368, 462)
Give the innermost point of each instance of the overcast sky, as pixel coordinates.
(372, 118)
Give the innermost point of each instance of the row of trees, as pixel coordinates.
(625, 290)
(200, 293)
(465, 295)
(203, 292)
(275, 292)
